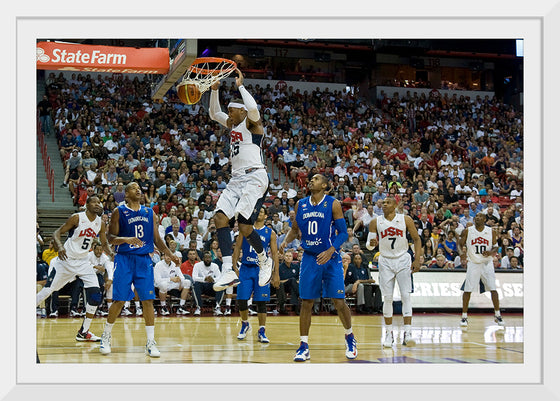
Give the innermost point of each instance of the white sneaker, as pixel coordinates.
(54, 314)
(151, 349)
(408, 340)
(245, 327)
(464, 322)
(197, 312)
(217, 311)
(164, 311)
(265, 272)
(105, 345)
(228, 279)
(181, 311)
(227, 312)
(139, 312)
(252, 312)
(499, 320)
(388, 341)
(126, 312)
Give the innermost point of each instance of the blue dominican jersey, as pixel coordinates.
(316, 224)
(139, 224)
(250, 257)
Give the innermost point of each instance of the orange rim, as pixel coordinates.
(228, 65)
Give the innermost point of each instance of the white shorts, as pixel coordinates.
(391, 269)
(242, 194)
(166, 286)
(477, 272)
(67, 271)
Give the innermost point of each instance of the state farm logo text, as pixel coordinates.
(80, 57)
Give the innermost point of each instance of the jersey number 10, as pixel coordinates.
(312, 228)
(480, 249)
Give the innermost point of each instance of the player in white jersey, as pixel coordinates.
(73, 261)
(395, 264)
(245, 192)
(481, 243)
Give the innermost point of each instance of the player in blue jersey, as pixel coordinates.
(134, 230)
(320, 222)
(249, 276)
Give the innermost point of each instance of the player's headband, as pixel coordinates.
(237, 106)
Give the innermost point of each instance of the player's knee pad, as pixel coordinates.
(406, 304)
(242, 304)
(388, 306)
(261, 306)
(93, 296)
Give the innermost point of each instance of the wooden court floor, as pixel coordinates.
(208, 339)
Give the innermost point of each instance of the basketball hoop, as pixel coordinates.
(205, 71)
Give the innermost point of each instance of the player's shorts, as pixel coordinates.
(244, 195)
(321, 280)
(62, 272)
(391, 269)
(133, 269)
(249, 284)
(477, 272)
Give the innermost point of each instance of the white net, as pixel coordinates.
(204, 72)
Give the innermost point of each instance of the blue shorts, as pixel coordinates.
(317, 281)
(249, 284)
(133, 269)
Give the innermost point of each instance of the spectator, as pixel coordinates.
(205, 273)
(289, 283)
(356, 276)
(168, 277)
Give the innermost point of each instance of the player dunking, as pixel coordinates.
(72, 260)
(134, 231)
(245, 192)
(481, 243)
(395, 263)
(249, 277)
(321, 223)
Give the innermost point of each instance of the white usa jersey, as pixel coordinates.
(81, 238)
(245, 149)
(392, 236)
(477, 243)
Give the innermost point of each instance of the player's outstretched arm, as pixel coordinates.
(215, 111)
(252, 109)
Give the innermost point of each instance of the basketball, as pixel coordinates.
(189, 93)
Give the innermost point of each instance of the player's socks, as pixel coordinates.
(86, 325)
(348, 331)
(150, 333)
(108, 327)
(304, 339)
(497, 313)
(407, 327)
(254, 240)
(464, 315)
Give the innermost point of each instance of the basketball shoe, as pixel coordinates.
(408, 340)
(262, 337)
(388, 341)
(464, 322)
(302, 353)
(151, 349)
(87, 336)
(351, 346)
(245, 327)
(265, 271)
(499, 320)
(228, 279)
(105, 345)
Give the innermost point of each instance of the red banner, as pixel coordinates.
(78, 57)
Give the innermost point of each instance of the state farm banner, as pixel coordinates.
(79, 57)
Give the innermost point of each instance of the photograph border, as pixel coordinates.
(546, 388)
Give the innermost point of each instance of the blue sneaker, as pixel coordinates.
(351, 346)
(262, 337)
(245, 327)
(302, 354)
